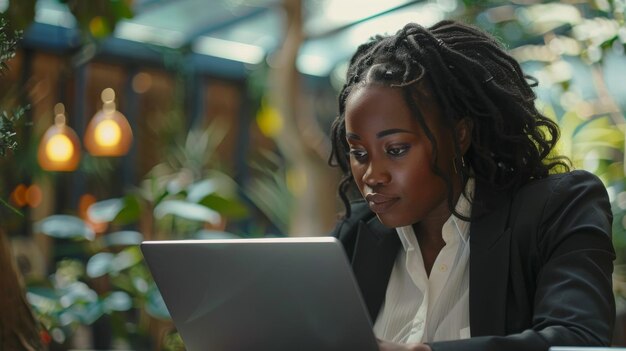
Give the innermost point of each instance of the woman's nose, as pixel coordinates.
(376, 175)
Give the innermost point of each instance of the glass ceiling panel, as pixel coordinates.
(176, 23)
(54, 13)
(247, 41)
(329, 15)
(320, 56)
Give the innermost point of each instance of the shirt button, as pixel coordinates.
(443, 268)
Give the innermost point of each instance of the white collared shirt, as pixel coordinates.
(422, 308)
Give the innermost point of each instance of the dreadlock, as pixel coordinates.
(471, 76)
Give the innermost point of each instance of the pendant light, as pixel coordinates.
(59, 148)
(108, 132)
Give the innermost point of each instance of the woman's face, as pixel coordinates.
(391, 157)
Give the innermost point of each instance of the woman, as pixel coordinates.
(468, 233)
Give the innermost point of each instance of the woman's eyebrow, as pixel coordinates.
(392, 131)
(380, 134)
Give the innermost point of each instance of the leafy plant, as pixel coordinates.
(8, 134)
(183, 197)
(7, 139)
(113, 281)
(7, 44)
(269, 190)
(7, 131)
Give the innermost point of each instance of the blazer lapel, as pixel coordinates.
(374, 254)
(489, 261)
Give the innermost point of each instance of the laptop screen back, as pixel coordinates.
(261, 294)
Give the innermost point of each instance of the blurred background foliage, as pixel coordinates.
(181, 198)
(96, 291)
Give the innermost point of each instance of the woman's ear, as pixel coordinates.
(463, 131)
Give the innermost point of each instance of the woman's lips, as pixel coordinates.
(380, 203)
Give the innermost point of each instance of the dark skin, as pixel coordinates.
(390, 158)
(430, 246)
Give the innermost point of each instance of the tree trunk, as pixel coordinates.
(19, 330)
(304, 145)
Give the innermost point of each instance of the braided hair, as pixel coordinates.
(471, 76)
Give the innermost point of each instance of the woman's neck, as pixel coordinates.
(429, 232)
(430, 241)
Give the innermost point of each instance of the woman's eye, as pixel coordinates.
(358, 154)
(398, 150)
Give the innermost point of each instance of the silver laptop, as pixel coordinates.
(573, 348)
(261, 294)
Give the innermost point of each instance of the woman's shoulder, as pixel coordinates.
(546, 201)
(563, 183)
(563, 199)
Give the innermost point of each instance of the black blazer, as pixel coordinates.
(541, 260)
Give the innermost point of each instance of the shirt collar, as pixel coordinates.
(453, 229)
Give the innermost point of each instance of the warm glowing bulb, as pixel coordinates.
(59, 148)
(107, 133)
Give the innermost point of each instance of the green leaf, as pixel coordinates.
(120, 211)
(67, 317)
(186, 210)
(118, 301)
(89, 313)
(107, 263)
(271, 195)
(131, 211)
(15, 210)
(227, 207)
(99, 264)
(7, 128)
(106, 210)
(44, 300)
(65, 227)
(140, 284)
(43, 292)
(77, 292)
(201, 189)
(125, 259)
